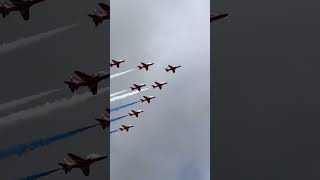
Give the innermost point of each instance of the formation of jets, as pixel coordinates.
(23, 7)
(91, 81)
(138, 88)
(82, 163)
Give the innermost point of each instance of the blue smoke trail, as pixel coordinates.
(123, 106)
(118, 118)
(114, 131)
(23, 148)
(37, 176)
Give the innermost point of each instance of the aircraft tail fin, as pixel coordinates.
(71, 85)
(154, 86)
(140, 67)
(94, 19)
(142, 100)
(65, 167)
(167, 69)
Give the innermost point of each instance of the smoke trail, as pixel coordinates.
(121, 73)
(114, 131)
(117, 93)
(123, 96)
(38, 176)
(123, 106)
(118, 118)
(24, 100)
(32, 39)
(48, 107)
(23, 148)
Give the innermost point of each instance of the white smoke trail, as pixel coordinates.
(4, 48)
(121, 73)
(25, 100)
(123, 96)
(49, 107)
(118, 93)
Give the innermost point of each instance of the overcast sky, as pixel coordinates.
(171, 138)
(43, 66)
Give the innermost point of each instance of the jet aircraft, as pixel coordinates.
(216, 16)
(125, 127)
(159, 85)
(79, 162)
(145, 66)
(135, 113)
(23, 7)
(137, 87)
(86, 80)
(116, 63)
(147, 98)
(6, 8)
(99, 16)
(172, 68)
(103, 121)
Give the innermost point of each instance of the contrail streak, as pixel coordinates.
(39, 175)
(117, 93)
(25, 100)
(49, 107)
(121, 73)
(123, 96)
(5, 48)
(123, 106)
(23, 148)
(114, 131)
(118, 118)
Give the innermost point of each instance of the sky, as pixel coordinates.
(170, 139)
(265, 60)
(58, 39)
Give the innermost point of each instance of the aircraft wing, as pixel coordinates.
(76, 158)
(25, 14)
(105, 7)
(114, 61)
(82, 75)
(94, 88)
(85, 170)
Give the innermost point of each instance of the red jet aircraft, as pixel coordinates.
(137, 87)
(99, 16)
(116, 63)
(147, 98)
(79, 162)
(135, 113)
(145, 66)
(159, 84)
(104, 121)
(172, 68)
(125, 127)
